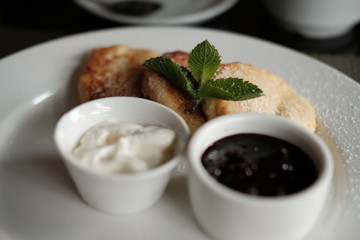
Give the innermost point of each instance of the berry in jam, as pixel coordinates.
(259, 165)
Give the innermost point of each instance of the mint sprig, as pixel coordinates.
(204, 62)
(175, 73)
(234, 89)
(198, 81)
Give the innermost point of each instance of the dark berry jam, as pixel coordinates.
(259, 165)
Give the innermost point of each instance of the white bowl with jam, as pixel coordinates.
(257, 176)
(121, 151)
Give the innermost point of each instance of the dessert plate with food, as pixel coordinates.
(39, 199)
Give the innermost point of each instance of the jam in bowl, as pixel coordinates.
(259, 165)
(257, 176)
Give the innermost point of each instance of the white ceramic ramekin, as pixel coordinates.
(317, 19)
(226, 214)
(119, 193)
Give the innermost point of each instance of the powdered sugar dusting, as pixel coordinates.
(337, 105)
(336, 101)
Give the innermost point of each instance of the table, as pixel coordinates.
(38, 21)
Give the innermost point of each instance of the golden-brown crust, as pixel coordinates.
(117, 71)
(179, 57)
(157, 88)
(279, 99)
(113, 71)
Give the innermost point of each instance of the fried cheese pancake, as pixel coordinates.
(113, 71)
(117, 71)
(279, 98)
(157, 88)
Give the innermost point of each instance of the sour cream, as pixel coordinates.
(124, 147)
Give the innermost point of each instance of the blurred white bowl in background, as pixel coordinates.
(317, 19)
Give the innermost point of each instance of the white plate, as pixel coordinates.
(38, 200)
(171, 12)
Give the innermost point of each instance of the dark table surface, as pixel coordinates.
(26, 23)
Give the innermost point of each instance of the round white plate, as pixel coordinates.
(171, 12)
(38, 200)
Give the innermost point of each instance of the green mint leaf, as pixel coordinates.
(204, 62)
(234, 89)
(173, 72)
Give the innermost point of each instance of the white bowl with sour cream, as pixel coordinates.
(121, 151)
